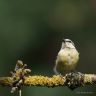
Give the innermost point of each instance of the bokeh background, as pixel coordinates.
(32, 31)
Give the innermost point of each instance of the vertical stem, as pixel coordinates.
(20, 92)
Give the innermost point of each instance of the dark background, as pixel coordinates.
(32, 31)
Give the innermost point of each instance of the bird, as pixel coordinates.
(67, 58)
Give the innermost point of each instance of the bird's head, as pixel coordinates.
(67, 43)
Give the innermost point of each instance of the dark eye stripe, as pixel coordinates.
(69, 41)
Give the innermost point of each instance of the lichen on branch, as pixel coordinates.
(54, 81)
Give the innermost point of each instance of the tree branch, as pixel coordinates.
(20, 77)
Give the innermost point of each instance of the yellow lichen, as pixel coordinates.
(44, 81)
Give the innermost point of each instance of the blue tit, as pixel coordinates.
(67, 58)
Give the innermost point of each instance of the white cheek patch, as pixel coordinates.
(63, 45)
(69, 45)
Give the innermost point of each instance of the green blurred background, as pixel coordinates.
(32, 31)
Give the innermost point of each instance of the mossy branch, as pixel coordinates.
(20, 77)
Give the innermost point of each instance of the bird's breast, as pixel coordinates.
(67, 59)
